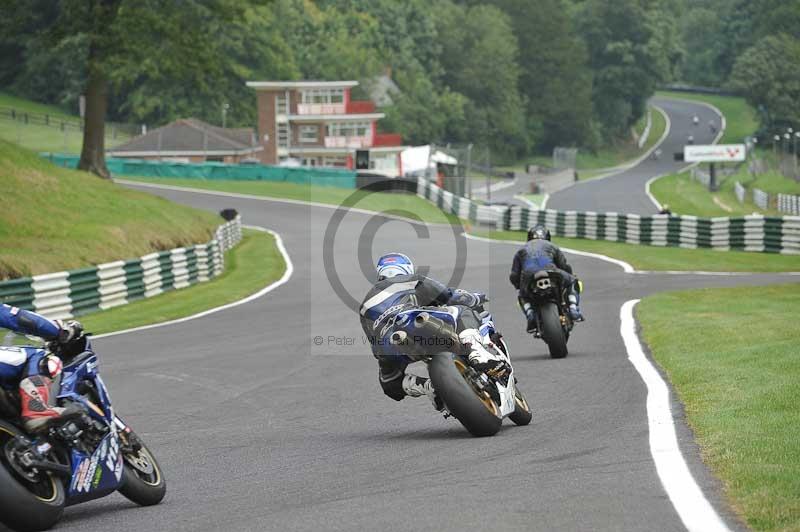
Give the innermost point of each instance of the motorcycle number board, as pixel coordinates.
(714, 153)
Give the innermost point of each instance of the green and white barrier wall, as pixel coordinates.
(332, 177)
(747, 233)
(72, 293)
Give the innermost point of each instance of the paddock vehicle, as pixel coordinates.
(76, 460)
(479, 401)
(549, 298)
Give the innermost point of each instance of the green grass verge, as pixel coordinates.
(670, 258)
(40, 137)
(400, 204)
(610, 156)
(54, 219)
(741, 119)
(731, 355)
(249, 267)
(686, 196)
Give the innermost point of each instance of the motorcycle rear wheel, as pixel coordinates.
(552, 330)
(26, 505)
(142, 480)
(474, 409)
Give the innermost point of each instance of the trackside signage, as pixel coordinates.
(714, 153)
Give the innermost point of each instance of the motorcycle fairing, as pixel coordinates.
(97, 474)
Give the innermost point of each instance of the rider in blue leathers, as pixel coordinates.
(38, 410)
(541, 254)
(399, 288)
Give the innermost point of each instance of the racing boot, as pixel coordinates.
(574, 309)
(418, 386)
(38, 410)
(530, 315)
(482, 359)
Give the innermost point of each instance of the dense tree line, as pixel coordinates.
(520, 76)
(748, 46)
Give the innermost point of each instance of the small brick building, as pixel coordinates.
(317, 123)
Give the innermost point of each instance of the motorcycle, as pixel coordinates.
(83, 458)
(479, 401)
(548, 295)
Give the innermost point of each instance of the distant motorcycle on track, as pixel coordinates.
(80, 459)
(549, 298)
(479, 401)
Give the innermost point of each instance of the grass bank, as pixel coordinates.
(253, 264)
(400, 204)
(731, 355)
(49, 138)
(741, 119)
(615, 154)
(686, 196)
(54, 219)
(670, 258)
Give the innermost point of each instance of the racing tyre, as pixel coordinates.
(142, 480)
(522, 415)
(552, 331)
(27, 503)
(475, 409)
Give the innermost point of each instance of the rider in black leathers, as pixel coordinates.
(539, 253)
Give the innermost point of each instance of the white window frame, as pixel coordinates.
(322, 96)
(348, 129)
(308, 134)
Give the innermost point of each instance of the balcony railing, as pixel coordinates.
(387, 139)
(360, 107)
(321, 108)
(348, 142)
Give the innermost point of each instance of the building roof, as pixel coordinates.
(301, 84)
(190, 135)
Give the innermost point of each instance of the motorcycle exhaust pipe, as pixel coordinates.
(399, 338)
(433, 326)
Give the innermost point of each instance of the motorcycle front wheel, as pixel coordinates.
(142, 480)
(475, 409)
(27, 503)
(522, 414)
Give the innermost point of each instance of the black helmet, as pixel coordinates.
(539, 231)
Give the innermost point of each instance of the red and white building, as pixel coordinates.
(317, 123)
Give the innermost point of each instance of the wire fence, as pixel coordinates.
(56, 132)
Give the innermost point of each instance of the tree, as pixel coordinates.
(126, 37)
(768, 76)
(625, 63)
(553, 77)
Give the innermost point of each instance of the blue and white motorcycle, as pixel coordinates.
(478, 400)
(81, 459)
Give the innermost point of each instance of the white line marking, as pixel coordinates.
(276, 200)
(686, 496)
(627, 267)
(267, 289)
(480, 190)
(532, 204)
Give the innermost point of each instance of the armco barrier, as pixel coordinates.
(72, 293)
(218, 171)
(457, 205)
(748, 233)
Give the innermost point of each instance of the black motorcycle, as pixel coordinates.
(548, 295)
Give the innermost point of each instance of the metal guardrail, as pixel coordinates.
(74, 292)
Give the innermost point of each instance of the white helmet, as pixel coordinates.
(393, 264)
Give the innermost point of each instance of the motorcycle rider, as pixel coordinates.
(539, 253)
(41, 372)
(400, 288)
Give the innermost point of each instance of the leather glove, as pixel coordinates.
(70, 330)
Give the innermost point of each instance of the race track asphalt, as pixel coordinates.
(256, 428)
(625, 192)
